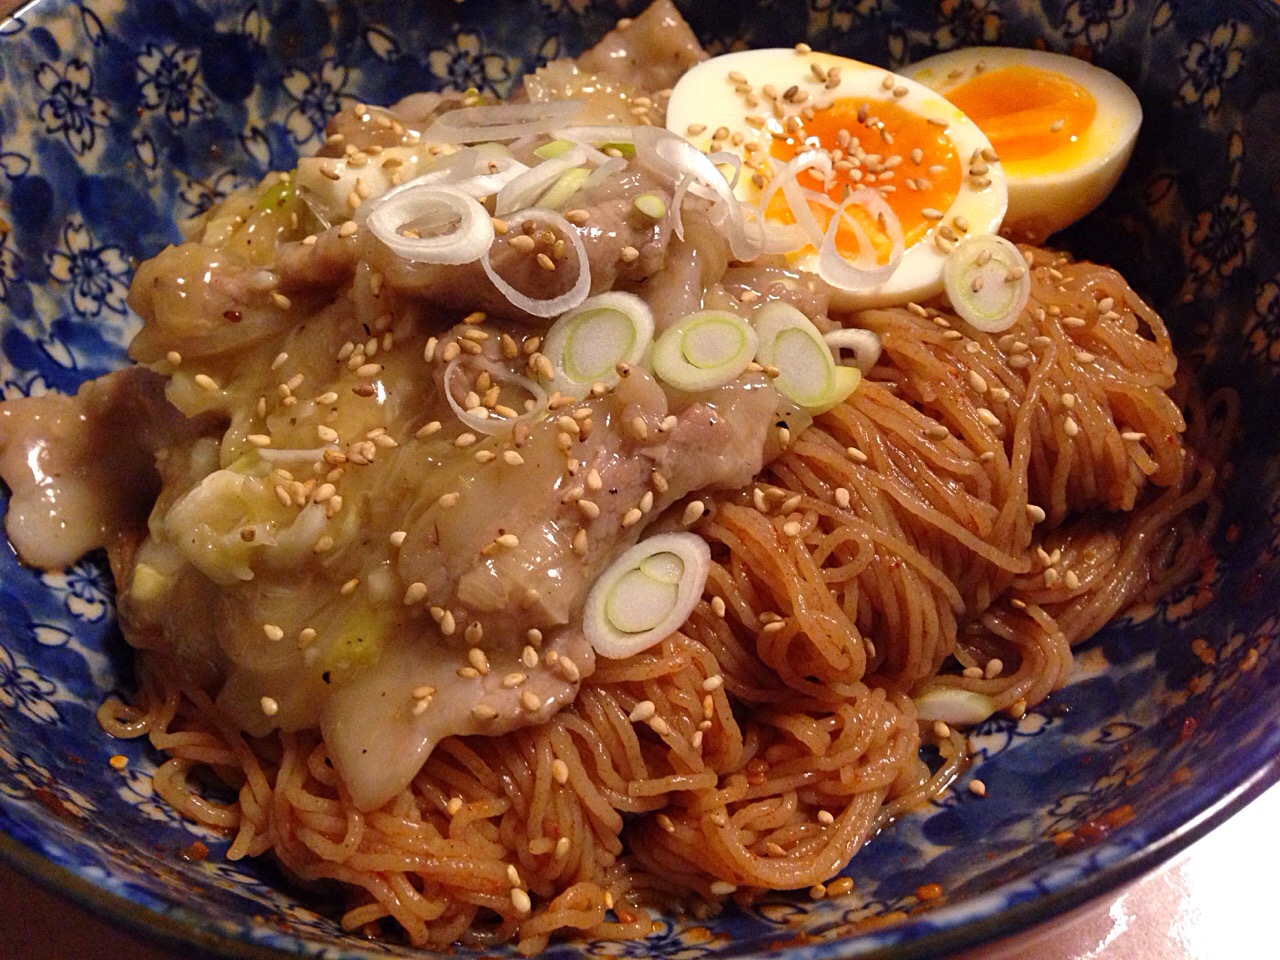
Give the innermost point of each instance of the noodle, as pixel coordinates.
(950, 536)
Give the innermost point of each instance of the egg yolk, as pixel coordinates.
(1026, 113)
(875, 144)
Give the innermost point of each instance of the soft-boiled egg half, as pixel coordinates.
(873, 130)
(1063, 128)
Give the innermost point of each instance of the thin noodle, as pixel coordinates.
(783, 734)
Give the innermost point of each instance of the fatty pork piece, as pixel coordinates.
(626, 77)
(562, 530)
(82, 470)
(651, 51)
(518, 549)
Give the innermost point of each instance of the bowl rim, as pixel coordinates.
(187, 931)
(174, 925)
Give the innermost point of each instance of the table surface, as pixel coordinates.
(1211, 903)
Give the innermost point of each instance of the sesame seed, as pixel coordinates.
(826, 817)
(269, 706)
(205, 382)
(632, 517)
(1035, 513)
(477, 658)
(693, 512)
(569, 669)
(560, 771)
(482, 711)
(977, 788)
(644, 710)
(722, 888)
(520, 900)
(993, 669)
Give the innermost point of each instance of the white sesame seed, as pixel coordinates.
(520, 900)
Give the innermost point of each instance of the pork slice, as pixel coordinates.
(327, 263)
(198, 301)
(650, 52)
(81, 470)
(540, 578)
(612, 226)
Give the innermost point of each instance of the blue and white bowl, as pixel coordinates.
(120, 118)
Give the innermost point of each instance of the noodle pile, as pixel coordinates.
(980, 505)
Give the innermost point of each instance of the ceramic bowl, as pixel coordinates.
(120, 119)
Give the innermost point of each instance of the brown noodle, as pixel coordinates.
(917, 556)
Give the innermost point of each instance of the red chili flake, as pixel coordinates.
(232, 315)
(1189, 725)
(1093, 831)
(1181, 775)
(194, 852)
(52, 802)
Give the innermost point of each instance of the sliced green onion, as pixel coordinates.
(278, 196)
(704, 350)
(556, 148)
(562, 190)
(961, 708)
(807, 373)
(586, 345)
(651, 205)
(646, 594)
(987, 282)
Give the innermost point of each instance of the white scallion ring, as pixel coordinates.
(646, 594)
(558, 304)
(863, 344)
(587, 343)
(460, 230)
(987, 281)
(807, 372)
(488, 423)
(704, 350)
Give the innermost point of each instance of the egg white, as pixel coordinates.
(1047, 194)
(705, 102)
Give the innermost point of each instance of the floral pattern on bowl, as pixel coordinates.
(120, 118)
